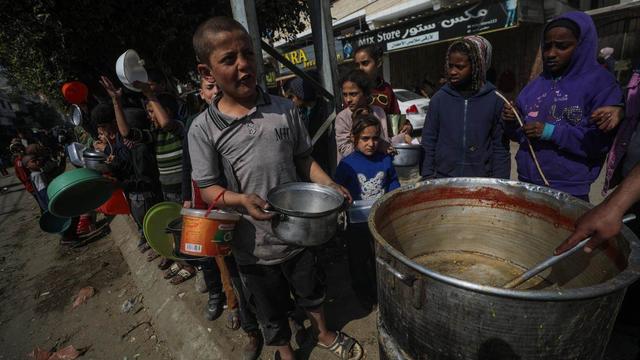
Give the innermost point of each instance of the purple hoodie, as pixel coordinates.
(573, 155)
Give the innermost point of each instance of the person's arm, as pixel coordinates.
(116, 96)
(392, 175)
(608, 117)
(311, 171)
(186, 173)
(308, 168)
(605, 220)
(500, 156)
(584, 139)
(429, 140)
(512, 128)
(343, 134)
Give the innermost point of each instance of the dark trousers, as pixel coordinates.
(362, 266)
(212, 278)
(140, 203)
(269, 289)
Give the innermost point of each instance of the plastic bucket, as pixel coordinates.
(207, 233)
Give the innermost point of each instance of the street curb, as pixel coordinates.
(173, 313)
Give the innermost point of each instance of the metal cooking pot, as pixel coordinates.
(407, 154)
(429, 308)
(306, 214)
(95, 160)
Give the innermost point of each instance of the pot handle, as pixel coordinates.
(407, 279)
(277, 214)
(343, 222)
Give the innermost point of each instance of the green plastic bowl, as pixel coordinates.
(77, 192)
(155, 224)
(54, 224)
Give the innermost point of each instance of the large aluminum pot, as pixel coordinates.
(407, 154)
(306, 214)
(95, 160)
(433, 235)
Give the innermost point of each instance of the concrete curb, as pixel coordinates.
(188, 335)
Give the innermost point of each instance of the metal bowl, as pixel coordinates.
(95, 160)
(306, 214)
(407, 154)
(305, 199)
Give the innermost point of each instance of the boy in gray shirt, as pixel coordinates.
(245, 144)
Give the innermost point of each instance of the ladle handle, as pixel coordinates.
(542, 266)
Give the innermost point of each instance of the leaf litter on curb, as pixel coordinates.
(83, 295)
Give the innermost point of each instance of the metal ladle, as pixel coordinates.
(545, 264)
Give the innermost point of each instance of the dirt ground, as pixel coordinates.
(38, 282)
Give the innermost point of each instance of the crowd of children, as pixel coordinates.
(242, 142)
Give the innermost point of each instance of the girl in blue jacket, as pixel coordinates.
(463, 135)
(367, 174)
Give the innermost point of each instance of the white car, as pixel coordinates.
(413, 105)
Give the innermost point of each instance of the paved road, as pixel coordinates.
(39, 280)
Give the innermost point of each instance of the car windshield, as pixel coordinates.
(406, 95)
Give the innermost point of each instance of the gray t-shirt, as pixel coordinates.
(252, 154)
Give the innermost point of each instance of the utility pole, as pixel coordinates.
(244, 11)
(324, 45)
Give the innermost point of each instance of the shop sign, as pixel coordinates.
(305, 58)
(483, 16)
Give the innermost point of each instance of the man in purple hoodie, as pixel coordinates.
(557, 106)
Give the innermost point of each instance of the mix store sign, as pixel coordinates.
(484, 16)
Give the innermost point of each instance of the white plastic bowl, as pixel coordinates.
(130, 68)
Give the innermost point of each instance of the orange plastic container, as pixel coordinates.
(207, 233)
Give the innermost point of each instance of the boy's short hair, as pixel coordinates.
(103, 114)
(169, 103)
(202, 38)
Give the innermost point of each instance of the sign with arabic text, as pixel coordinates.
(470, 19)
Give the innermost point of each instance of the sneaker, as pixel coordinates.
(252, 350)
(215, 306)
(200, 284)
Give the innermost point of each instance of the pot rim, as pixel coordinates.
(306, 186)
(620, 281)
(404, 146)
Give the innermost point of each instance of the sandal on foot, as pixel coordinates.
(233, 319)
(152, 255)
(172, 271)
(344, 347)
(186, 273)
(165, 263)
(143, 246)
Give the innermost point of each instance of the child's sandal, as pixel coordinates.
(172, 271)
(344, 347)
(183, 275)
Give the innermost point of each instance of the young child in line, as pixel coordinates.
(356, 90)
(463, 133)
(368, 58)
(556, 108)
(367, 174)
(165, 138)
(245, 144)
(38, 180)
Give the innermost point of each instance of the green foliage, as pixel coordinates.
(46, 42)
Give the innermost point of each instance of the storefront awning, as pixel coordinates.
(484, 16)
